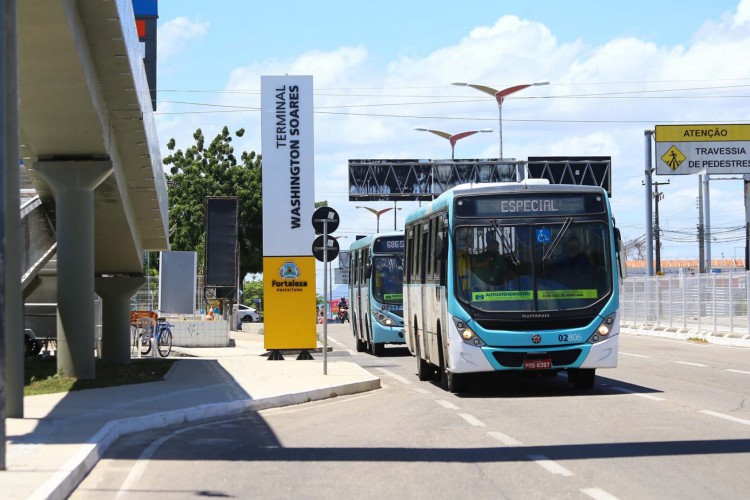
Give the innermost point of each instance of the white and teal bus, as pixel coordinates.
(376, 291)
(493, 282)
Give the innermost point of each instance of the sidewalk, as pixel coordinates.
(62, 436)
(709, 336)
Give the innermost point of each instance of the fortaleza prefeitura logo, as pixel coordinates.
(289, 272)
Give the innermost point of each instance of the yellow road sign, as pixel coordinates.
(673, 158)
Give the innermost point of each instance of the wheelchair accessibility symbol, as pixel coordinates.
(543, 235)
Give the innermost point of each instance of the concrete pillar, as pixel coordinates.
(13, 309)
(73, 183)
(116, 292)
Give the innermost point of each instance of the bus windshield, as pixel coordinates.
(533, 267)
(387, 279)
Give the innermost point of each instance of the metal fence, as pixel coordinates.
(147, 297)
(710, 302)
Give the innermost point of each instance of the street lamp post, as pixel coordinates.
(453, 138)
(378, 213)
(500, 96)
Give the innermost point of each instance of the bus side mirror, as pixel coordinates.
(621, 257)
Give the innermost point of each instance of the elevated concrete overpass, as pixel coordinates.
(89, 143)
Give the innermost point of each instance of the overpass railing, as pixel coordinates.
(38, 239)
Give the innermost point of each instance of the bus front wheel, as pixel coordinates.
(454, 382)
(582, 378)
(425, 371)
(361, 345)
(451, 381)
(378, 349)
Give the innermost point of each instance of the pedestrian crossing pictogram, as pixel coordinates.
(673, 158)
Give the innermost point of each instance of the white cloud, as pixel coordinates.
(174, 35)
(742, 17)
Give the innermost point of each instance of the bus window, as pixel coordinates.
(387, 284)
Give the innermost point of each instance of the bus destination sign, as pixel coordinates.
(529, 205)
(386, 244)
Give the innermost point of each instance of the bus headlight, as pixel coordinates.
(603, 330)
(467, 334)
(383, 319)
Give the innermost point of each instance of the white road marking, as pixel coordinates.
(394, 376)
(447, 404)
(634, 355)
(725, 417)
(598, 494)
(420, 390)
(471, 419)
(316, 404)
(737, 371)
(690, 364)
(141, 465)
(550, 465)
(506, 440)
(646, 396)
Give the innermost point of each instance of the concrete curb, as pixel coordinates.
(62, 484)
(718, 338)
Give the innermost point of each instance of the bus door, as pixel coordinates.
(426, 297)
(360, 306)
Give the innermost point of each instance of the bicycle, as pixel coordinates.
(163, 338)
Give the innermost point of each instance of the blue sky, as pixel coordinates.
(616, 69)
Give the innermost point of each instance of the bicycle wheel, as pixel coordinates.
(145, 341)
(133, 340)
(165, 342)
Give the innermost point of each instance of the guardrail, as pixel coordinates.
(38, 241)
(715, 302)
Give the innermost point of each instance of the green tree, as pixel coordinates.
(252, 290)
(200, 172)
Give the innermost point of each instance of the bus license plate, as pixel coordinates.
(537, 364)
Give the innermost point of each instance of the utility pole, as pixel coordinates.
(648, 135)
(701, 247)
(658, 196)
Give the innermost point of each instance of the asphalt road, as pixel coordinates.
(670, 422)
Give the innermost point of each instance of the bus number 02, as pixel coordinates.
(569, 337)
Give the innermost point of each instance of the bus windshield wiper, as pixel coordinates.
(557, 239)
(506, 244)
(399, 256)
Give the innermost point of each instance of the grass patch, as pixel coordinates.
(40, 375)
(697, 340)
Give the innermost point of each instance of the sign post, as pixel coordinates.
(325, 249)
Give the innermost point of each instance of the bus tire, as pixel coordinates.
(368, 339)
(582, 378)
(425, 371)
(454, 382)
(361, 346)
(378, 349)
